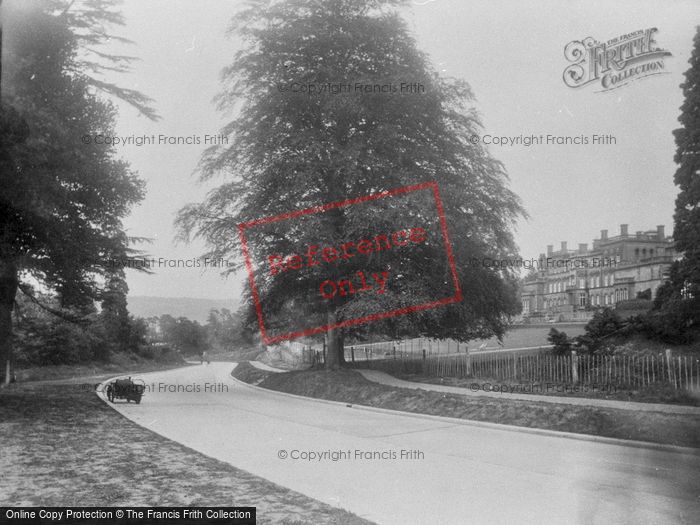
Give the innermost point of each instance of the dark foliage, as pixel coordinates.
(43, 338)
(677, 315)
(62, 200)
(562, 343)
(290, 151)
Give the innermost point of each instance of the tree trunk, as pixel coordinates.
(8, 289)
(335, 353)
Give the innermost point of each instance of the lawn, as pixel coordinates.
(523, 336)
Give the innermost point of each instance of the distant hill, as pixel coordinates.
(194, 309)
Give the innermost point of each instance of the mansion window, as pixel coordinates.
(624, 294)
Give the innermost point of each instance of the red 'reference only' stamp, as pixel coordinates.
(379, 271)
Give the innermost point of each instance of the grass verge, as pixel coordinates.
(63, 446)
(97, 370)
(250, 374)
(349, 386)
(660, 393)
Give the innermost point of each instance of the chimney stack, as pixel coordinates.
(660, 232)
(563, 246)
(582, 248)
(623, 230)
(603, 235)
(550, 250)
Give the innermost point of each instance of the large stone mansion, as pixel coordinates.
(569, 285)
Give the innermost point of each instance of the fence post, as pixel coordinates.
(352, 353)
(574, 367)
(669, 363)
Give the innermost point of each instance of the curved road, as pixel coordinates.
(452, 472)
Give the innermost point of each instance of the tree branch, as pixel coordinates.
(26, 290)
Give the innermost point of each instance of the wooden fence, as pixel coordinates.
(625, 371)
(452, 359)
(415, 348)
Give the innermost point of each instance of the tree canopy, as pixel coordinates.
(291, 149)
(63, 198)
(678, 301)
(686, 232)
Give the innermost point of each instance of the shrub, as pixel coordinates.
(668, 326)
(562, 343)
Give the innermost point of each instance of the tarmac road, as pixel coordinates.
(451, 472)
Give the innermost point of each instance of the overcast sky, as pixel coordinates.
(511, 53)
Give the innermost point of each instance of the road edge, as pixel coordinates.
(648, 445)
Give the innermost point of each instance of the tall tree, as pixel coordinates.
(291, 150)
(679, 299)
(114, 315)
(62, 200)
(223, 329)
(189, 337)
(686, 232)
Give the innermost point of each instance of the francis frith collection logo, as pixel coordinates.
(616, 62)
